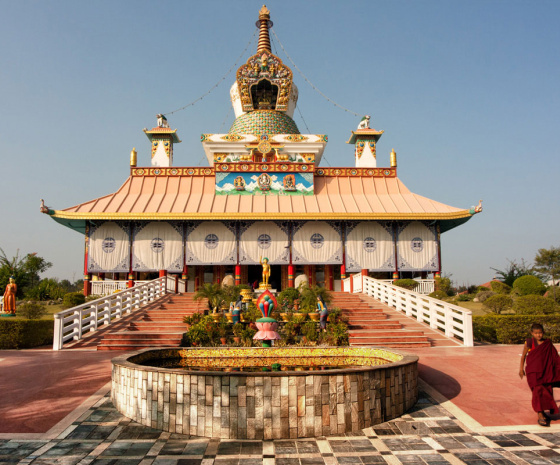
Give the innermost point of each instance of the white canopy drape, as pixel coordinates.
(157, 245)
(369, 246)
(211, 243)
(417, 247)
(264, 239)
(316, 242)
(109, 248)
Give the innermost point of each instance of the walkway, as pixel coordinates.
(47, 409)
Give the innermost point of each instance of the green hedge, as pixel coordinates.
(513, 329)
(24, 334)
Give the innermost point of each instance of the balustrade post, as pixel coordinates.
(467, 330)
(78, 321)
(57, 339)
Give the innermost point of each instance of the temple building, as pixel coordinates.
(264, 194)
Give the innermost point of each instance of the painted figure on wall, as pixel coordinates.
(239, 183)
(10, 297)
(264, 182)
(289, 182)
(265, 272)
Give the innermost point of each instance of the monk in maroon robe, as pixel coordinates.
(542, 371)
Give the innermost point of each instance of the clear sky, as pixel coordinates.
(467, 92)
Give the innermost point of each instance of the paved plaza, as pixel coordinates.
(455, 429)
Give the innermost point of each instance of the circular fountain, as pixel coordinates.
(264, 393)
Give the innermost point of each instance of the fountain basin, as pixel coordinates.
(361, 387)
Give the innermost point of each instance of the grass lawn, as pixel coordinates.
(51, 310)
(475, 307)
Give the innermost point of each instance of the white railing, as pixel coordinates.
(73, 323)
(356, 282)
(425, 286)
(453, 321)
(109, 287)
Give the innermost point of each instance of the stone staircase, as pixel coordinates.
(372, 323)
(159, 325)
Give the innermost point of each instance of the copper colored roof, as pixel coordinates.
(193, 197)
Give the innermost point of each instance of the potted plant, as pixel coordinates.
(213, 295)
(237, 332)
(247, 336)
(222, 331)
(309, 332)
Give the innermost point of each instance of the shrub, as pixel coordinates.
(483, 295)
(286, 297)
(24, 334)
(444, 284)
(533, 305)
(499, 287)
(91, 297)
(528, 285)
(409, 284)
(32, 310)
(72, 299)
(498, 303)
(309, 330)
(465, 297)
(514, 329)
(553, 293)
(438, 295)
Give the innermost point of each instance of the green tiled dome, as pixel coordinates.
(264, 122)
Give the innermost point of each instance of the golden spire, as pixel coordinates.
(393, 159)
(264, 24)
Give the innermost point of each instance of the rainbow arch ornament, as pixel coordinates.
(266, 303)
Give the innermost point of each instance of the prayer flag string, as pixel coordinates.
(219, 82)
(309, 82)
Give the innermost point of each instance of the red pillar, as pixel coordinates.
(185, 274)
(291, 279)
(342, 276)
(130, 279)
(87, 284)
(237, 275)
(162, 273)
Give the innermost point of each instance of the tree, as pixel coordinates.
(547, 262)
(24, 270)
(515, 270)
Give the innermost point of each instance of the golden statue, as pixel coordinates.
(265, 273)
(10, 297)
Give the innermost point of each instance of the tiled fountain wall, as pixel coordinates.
(260, 405)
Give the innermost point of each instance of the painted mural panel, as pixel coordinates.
(108, 248)
(157, 245)
(268, 239)
(211, 243)
(369, 246)
(417, 248)
(262, 183)
(317, 242)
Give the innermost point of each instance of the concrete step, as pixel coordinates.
(384, 333)
(139, 335)
(393, 345)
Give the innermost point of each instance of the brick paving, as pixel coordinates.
(427, 434)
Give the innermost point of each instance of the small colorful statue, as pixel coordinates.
(10, 297)
(265, 272)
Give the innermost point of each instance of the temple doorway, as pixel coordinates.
(254, 273)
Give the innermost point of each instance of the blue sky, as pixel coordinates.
(467, 93)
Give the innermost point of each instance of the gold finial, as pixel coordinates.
(264, 11)
(393, 158)
(133, 157)
(264, 24)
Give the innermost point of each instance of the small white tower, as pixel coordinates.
(365, 139)
(162, 139)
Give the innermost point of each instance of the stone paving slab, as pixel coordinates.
(429, 434)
